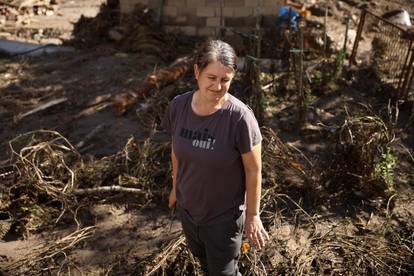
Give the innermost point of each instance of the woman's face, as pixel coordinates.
(214, 80)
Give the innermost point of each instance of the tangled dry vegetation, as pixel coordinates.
(308, 242)
(52, 182)
(344, 216)
(370, 235)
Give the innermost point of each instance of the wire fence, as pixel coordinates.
(388, 49)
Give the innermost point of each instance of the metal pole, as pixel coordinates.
(408, 79)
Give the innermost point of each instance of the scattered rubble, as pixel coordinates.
(19, 12)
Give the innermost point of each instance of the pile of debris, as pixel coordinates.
(136, 32)
(19, 12)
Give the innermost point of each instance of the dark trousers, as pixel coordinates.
(216, 246)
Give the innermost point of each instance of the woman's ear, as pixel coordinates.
(196, 71)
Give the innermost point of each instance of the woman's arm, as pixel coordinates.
(172, 199)
(252, 162)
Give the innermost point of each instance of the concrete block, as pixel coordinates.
(194, 20)
(187, 10)
(188, 30)
(170, 28)
(212, 3)
(196, 3)
(272, 3)
(155, 5)
(207, 31)
(240, 22)
(234, 3)
(170, 11)
(243, 12)
(251, 3)
(228, 12)
(218, 12)
(177, 3)
(213, 22)
(206, 11)
(181, 19)
(269, 10)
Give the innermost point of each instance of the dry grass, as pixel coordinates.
(50, 257)
(305, 243)
(174, 258)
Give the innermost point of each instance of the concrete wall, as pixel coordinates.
(207, 17)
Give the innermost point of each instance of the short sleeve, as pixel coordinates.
(167, 119)
(247, 133)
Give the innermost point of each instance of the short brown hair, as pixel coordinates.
(216, 50)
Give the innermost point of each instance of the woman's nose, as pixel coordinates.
(217, 86)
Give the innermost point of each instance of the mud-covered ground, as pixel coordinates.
(129, 229)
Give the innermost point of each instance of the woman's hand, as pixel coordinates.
(172, 199)
(255, 231)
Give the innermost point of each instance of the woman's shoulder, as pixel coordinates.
(239, 107)
(182, 98)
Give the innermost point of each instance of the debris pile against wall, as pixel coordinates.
(136, 32)
(19, 12)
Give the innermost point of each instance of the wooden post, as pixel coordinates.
(159, 15)
(325, 38)
(301, 96)
(358, 37)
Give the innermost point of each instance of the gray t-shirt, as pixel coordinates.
(210, 176)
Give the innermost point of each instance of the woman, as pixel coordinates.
(216, 161)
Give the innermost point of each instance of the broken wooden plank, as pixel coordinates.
(160, 79)
(89, 111)
(99, 99)
(40, 108)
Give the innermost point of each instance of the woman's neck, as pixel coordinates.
(206, 106)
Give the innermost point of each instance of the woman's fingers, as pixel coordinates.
(265, 234)
(256, 233)
(260, 239)
(257, 237)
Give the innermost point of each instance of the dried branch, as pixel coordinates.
(108, 189)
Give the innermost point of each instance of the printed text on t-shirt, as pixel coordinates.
(202, 140)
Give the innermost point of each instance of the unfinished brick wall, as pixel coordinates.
(207, 17)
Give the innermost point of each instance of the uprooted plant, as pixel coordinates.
(52, 178)
(363, 161)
